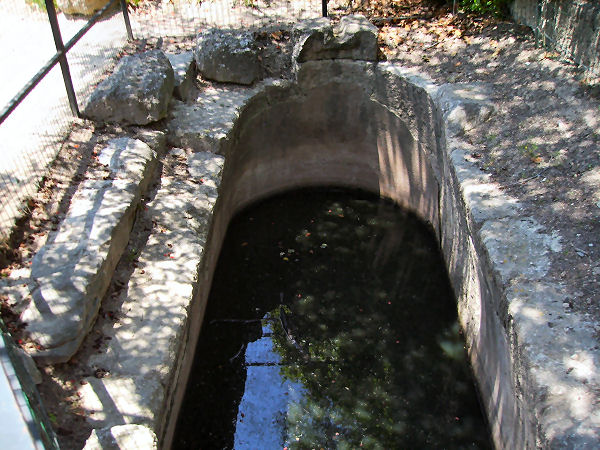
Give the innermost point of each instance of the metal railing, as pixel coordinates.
(23, 412)
(24, 420)
(36, 120)
(60, 57)
(32, 128)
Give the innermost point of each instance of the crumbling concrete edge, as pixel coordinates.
(498, 258)
(143, 352)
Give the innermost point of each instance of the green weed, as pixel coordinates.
(530, 150)
(132, 255)
(498, 8)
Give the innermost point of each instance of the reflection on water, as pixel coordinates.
(331, 324)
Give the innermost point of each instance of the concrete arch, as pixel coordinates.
(332, 134)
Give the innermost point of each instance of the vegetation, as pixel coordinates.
(496, 7)
(41, 4)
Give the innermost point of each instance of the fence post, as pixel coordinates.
(126, 19)
(64, 65)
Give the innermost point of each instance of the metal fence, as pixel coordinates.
(158, 18)
(32, 130)
(40, 91)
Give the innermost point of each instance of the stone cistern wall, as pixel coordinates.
(342, 119)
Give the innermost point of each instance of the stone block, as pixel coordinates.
(184, 69)
(137, 93)
(71, 273)
(354, 37)
(227, 56)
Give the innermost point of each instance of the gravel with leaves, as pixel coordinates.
(542, 144)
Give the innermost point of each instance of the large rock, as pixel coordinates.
(83, 7)
(137, 93)
(354, 37)
(228, 56)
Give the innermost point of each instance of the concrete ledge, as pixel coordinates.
(71, 273)
(122, 437)
(388, 130)
(143, 351)
(204, 124)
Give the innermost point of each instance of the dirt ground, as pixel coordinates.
(541, 145)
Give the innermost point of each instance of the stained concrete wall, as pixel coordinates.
(571, 27)
(330, 134)
(366, 126)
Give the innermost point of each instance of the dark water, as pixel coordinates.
(331, 324)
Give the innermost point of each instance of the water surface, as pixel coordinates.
(331, 324)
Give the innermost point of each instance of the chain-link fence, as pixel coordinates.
(31, 135)
(157, 18)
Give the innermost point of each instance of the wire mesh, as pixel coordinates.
(31, 136)
(158, 18)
